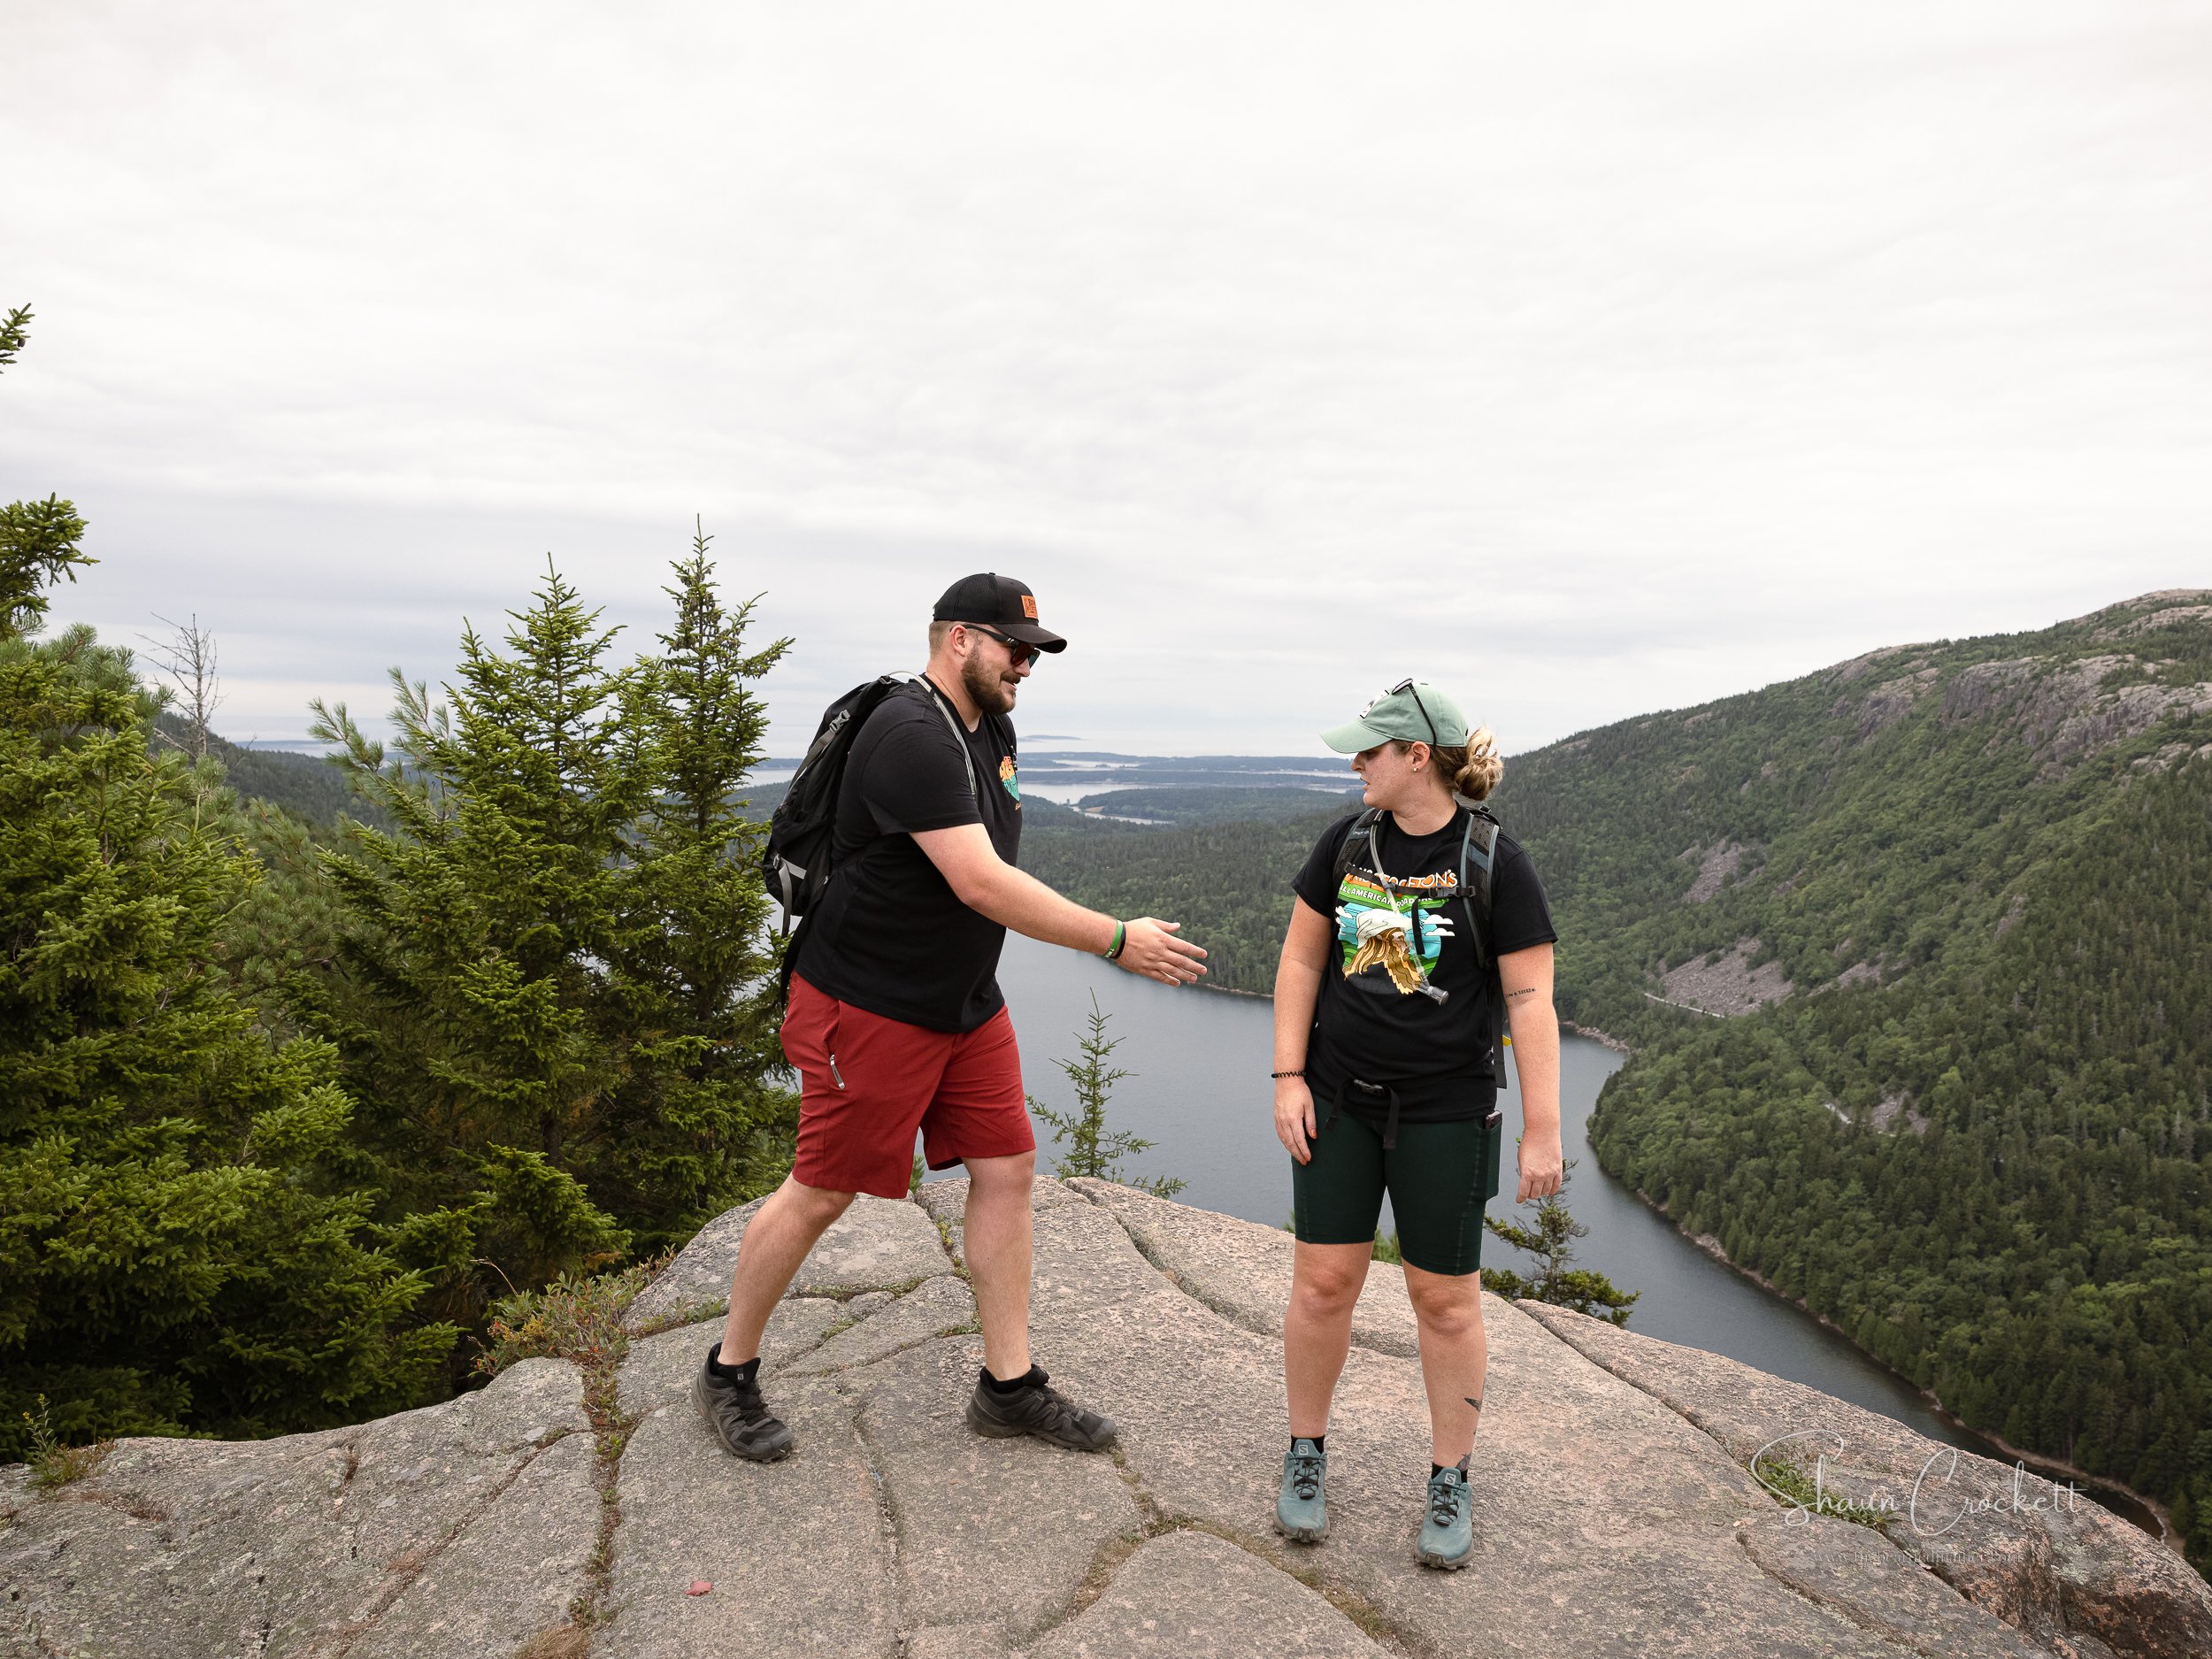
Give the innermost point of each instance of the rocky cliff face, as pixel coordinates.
(561, 1511)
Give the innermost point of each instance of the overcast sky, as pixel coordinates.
(1586, 359)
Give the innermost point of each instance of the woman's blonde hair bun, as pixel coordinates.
(1473, 771)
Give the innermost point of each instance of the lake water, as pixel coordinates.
(1199, 1088)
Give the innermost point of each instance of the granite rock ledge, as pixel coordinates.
(1615, 1511)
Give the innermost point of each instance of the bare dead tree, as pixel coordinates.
(186, 660)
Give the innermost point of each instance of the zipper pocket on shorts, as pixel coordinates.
(835, 1077)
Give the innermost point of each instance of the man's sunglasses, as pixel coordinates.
(1020, 650)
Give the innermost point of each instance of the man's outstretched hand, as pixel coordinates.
(1150, 948)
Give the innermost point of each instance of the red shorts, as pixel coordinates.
(866, 1083)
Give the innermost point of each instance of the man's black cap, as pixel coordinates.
(998, 602)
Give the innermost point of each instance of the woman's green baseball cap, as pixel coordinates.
(1411, 711)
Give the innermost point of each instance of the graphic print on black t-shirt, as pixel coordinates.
(1392, 931)
(1371, 1021)
(888, 935)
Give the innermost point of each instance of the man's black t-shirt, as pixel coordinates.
(1371, 1021)
(889, 933)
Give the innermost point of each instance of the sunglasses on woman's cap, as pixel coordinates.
(1410, 712)
(1399, 690)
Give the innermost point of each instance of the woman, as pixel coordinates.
(1387, 1006)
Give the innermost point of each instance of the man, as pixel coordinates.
(895, 1020)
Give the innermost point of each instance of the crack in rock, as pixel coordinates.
(1239, 1270)
(1691, 1418)
(1154, 1521)
(1216, 1588)
(1224, 1310)
(843, 1366)
(265, 1622)
(887, 1504)
(407, 1567)
(1377, 1626)
(1836, 1610)
(1021, 1516)
(1897, 1601)
(1106, 1565)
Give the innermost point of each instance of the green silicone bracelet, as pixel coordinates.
(1121, 938)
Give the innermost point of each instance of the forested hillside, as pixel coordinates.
(302, 785)
(1917, 960)
(1228, 884)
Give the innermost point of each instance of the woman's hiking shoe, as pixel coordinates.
(735, 1413)
(1036, 1409)
(1447, 1533)
(1302, 1508)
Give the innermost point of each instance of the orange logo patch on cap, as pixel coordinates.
(1029, 606)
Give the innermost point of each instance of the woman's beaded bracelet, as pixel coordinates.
(1121, 938)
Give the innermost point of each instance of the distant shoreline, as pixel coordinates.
(1600, 1037)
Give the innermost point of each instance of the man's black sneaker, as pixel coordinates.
(1038, 1409)
(736, 1415)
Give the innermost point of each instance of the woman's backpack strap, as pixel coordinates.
(1477, 862)
(1362, 829)
(1478, 865)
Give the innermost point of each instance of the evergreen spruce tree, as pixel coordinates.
(177, 1247)
(550, 975)
(705, 1123)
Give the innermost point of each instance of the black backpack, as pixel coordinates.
(797, 861)
(1478, 858)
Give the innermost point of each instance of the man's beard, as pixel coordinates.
(987, 687)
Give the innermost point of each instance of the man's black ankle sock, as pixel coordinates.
(1437, 1469)
(1027, 1379)
(1320, 1441)
(743, 1375)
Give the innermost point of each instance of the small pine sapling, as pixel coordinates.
(1551, 1241)
(1093, 1149)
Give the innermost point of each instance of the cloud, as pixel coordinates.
(1587, 359)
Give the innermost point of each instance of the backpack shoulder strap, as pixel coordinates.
(1360, 829)
(952, 723)
(1478, 865)
(1478, 862)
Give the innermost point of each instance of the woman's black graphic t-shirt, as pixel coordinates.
(1397, 928)
(889, 934)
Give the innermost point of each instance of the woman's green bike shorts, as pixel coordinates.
(1440, 1177)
